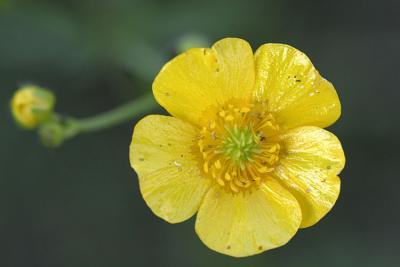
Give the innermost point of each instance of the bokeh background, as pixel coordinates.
(79, 205)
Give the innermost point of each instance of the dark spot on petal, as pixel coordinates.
(228, 247)
(181, 155)
(260, 247)
(297, 81)
(141, 159)
(169, 144)
(329, 167)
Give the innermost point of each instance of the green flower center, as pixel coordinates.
(240, 145)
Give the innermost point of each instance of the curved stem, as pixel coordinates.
(120, 114)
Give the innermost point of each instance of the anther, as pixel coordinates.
(213, 135)
(273, 149)
(212, 125)
(217, 164)
(263, 170)
(233, 187)
(229, 118)
(205, 167)
(244, 110)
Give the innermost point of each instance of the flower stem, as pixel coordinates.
(59, 128)
(118, 115)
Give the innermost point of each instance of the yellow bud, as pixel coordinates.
(32, 105)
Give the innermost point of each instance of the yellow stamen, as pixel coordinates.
(229, 118)
(205, 167)
(235, 149)
(244, 110)
(212, 124)
(217, 164)
(233, 187)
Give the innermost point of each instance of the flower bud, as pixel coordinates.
(32, 105)
(57, 130)
(52, 134)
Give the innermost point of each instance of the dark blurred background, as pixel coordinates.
(79, 205)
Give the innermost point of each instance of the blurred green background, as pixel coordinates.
(79, 205)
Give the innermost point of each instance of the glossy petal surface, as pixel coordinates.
(246, 224)
(190, 83)
(170, 181)
(310, 162)
(246, 149)
(293, 88)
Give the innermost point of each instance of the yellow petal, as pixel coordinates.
(169, 178)
(293, 88)
(188, 84)
(246, 224)
(308, 167)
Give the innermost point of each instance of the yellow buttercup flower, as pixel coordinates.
(32, 105)
(245, 148)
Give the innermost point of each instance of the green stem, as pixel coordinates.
(60, 128)
(118, 115)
